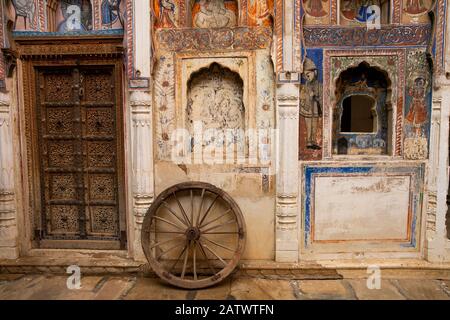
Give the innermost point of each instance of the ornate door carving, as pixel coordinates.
(80, 157)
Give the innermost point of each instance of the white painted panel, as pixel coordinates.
(361, 208)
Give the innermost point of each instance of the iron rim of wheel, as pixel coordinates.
(193, 228)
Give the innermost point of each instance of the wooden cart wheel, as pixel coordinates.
(193, 235)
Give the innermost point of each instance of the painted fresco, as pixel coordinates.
(215, 13)
(260, 12)
(418, 106)
(113, 14)
(311, 107)
(166, 13)
(24, 14)
(66, 14)
(359, 12)
(316, 11)
(416, 11)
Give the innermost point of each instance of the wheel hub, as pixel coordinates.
(193, 233)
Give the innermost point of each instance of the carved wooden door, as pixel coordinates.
(78, 111)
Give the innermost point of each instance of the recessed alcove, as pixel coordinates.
(362, 119)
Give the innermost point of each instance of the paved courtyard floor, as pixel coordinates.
(130, 287)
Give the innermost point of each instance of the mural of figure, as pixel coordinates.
(364, 12)
(417, 114)
(415, 7)
(310, 105)
(24, 9)
(111, 12)
(69, 10)
(165, 14)
(260, 12)
(315, 8)
(214, 14)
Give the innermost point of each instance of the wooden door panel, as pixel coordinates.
(80, 157)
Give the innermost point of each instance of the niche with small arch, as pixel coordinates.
(362, 117)
(215, 100)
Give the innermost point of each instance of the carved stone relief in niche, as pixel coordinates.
(215, 99)
(214, 13)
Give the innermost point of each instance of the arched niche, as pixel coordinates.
(215, 100)
(69, 15)
(362, 116)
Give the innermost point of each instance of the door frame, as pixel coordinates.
(37, 51)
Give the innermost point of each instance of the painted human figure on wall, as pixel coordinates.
(417, 114)
(111, 12)
(260, 12)
(315, 7)
(165, 14)
(24, 9)
(310, 105)
(359, 10)
(71, 9)
(415, 7)
(214, 14)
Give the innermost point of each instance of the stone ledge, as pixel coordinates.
(406, 269)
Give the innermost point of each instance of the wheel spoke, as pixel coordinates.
(215, 254)
(194, 258)
(201, 207)
(166, 205)
(178, 259)
(168, 250)
(168, 222)
(176, 232)
(223, 215)
(192, 207)
(225, 232)
(182, 209)
(165, 241)
(186, 256)
(218, 244)
(206, 257)
(209, 209)
(219, 226)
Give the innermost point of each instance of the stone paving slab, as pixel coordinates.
(46, 287)
(325, 289)
(261, 289)
(414, 289)
(387, 290)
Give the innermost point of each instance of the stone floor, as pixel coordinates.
(44, 287)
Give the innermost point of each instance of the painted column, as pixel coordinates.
(142, 137)
(8, 227)
(287, 245)
(141, 117)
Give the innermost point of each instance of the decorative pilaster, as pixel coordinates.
(142, 158)
(436, 235)
(8, 227)
(287, 245)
